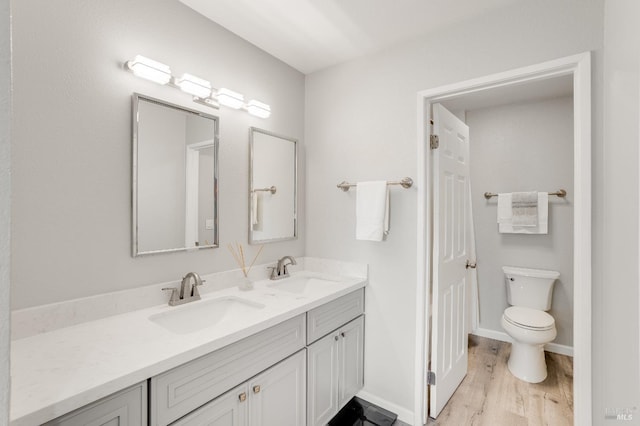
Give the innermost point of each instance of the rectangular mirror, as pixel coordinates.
(175, 177)
(272, 187)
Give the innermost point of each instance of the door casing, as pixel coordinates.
(579, 67)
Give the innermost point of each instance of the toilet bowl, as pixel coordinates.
(526, 322)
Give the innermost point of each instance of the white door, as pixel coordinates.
(278, 395)
(322, 380)
(351, 355)
(229, 409)
(450, 251)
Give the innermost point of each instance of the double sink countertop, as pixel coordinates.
(59, 371)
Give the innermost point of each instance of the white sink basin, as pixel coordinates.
(202, 314)
(302, 285)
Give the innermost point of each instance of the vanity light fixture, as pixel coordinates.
(201, 89)
(230, 99)
(193, 85)
(258, 109)
(150, 69)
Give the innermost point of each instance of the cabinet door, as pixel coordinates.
(351, 355)
(229, 409)
(322, 379)
(277, 396)
(124, 408)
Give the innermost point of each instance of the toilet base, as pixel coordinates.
(527, 362)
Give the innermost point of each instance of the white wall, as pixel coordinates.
(361, 125)
(615, 299)
(523, 147)
(5, 207)
(72, 139)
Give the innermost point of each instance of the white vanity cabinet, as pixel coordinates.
(274, 397)
(335, 363)
(179, 391)
(125, 408)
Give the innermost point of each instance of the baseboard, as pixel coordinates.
(403, 414)
(504, 337)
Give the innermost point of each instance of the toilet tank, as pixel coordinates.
(531, 288)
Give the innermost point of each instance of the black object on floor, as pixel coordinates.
(359, 412)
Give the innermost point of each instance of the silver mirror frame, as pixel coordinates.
(253, 130)
(134, 177)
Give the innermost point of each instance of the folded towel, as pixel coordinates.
(505, 216)
(524, 207)
(372, 210)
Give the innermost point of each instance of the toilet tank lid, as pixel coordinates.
(528, 272)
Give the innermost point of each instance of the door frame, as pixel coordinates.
(579, 67)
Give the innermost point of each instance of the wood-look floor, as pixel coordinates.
(490, 395)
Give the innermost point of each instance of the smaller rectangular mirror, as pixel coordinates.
(272, 187)
(175, 177)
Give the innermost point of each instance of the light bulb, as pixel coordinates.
(230, 98)
(193, 85)
(149, 69)
(258, 109)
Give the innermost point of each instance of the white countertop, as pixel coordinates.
(57, 372)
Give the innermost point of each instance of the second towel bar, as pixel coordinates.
(560, 193)
(405, 183)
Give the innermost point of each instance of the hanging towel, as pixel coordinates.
(505, 216)
(372, 210)
(524, 207)
(256, 211)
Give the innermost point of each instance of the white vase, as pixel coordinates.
(245, 284)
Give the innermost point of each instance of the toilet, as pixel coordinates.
(529, 292)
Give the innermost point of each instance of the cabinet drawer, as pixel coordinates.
(189, 386)
(126, 408)
(326, 318)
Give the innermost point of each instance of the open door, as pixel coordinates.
(449, 256)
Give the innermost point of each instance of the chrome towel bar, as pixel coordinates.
(404, 182)
(272, 190)
(560, 193)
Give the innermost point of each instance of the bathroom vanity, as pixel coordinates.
(294, 358)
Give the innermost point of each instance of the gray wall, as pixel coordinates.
(72, 139)
(523, 147)
(615, 298)
(5, 206)
(370, 133)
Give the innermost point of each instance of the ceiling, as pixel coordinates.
(310, 35)
(531, 91)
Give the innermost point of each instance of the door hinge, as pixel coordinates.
(431, 378)
(434, 141)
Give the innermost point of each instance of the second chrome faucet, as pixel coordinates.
(280, 270)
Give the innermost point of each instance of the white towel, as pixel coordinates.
(256, 211)
(524, 208)
(372, 210)
(505, 216)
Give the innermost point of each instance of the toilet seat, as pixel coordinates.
(527, 318)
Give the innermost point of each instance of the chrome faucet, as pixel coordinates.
(188, 292)
(280, 270)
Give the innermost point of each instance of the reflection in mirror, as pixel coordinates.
(272, 187)
(175, 157)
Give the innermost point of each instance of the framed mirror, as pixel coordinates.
(175, 177)
(273, 187)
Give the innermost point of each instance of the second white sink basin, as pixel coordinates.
(202, 314)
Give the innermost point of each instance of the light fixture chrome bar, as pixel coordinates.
(200, 88)
(406, 182)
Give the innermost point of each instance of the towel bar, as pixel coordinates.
(271, 190)
(560, 193)
(404, 182)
